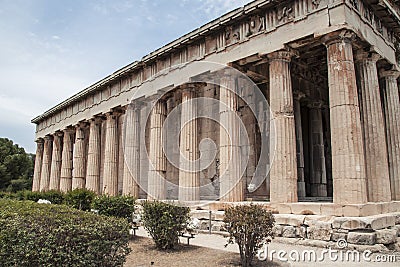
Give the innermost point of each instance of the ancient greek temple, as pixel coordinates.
(327, 94)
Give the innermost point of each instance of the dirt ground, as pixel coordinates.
(144, 253)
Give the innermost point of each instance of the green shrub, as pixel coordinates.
(118, 206)
(33, 196)
(164, 222)
(8, 195)
(80, 199)
(33, 234)
(55, 197)
(250, 226)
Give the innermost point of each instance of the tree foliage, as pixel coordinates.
(16, 167)
(117, 206)
(250, 226)
(34, 234)
(164, 222)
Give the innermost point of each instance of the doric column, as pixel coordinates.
(189, 178)
(132, 151)
(94, 156)
(283, 174)
(110, 175)
(301, 185)
(79, 170)
(158, 162)
(348, 167)
(38, 165)
(392, 119)
(231, 180)
(317, 152)
(373, 126)
(66, 161)
(56, 162)
(46, 164)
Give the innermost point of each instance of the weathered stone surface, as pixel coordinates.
(277, 230)
(301, 231)
(289, 219)
(310, 220)
(218, 226)
(338, 235)
(371, 222)
(397, 229)
(396, 217)
(200, 214)
(289, 231)
(306, 208)
(204, 225)
(320, 231)
(361, 238)
(386, 236)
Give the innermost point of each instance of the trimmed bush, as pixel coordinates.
(34, 234)
(33, 196)
(118, 206)
(250, 226)
(55, 197)
(164, 222)
(80, 199)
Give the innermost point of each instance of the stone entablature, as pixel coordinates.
(258, 28)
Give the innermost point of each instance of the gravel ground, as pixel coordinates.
(145, 254)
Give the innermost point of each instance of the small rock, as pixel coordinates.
(277, 230)
(386, 236)
(361, 238)
(289, 231)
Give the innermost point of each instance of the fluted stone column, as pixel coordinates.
(110, 176)
(392, 119)
(317, 152)
(56, 157)
(132, 151)
(46, 164)
(189, 176)
(301, 185)
(79, 163)
(158, 162)
(283, 174)
(66, 161)
(348, 167)
(375, 149)
(231, 180)
(38, 165)
(94, 156)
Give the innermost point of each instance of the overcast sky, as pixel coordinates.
(50, 50)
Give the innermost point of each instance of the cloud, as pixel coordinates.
(215, 8)
(49, 56)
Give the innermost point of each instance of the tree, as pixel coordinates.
(250, 226)
(16, 167)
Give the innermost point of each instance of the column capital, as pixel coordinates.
(136, 105)
(114, 113)
(69, 130)
(284, 54)
(59, 133)
(95, 119)
(81, 124)
(393, 73)
(363, 56)
(48, 138)
(39, 140)
(338, 37)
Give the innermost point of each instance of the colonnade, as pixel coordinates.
(364, 134)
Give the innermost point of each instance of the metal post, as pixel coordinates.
(209, 223)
